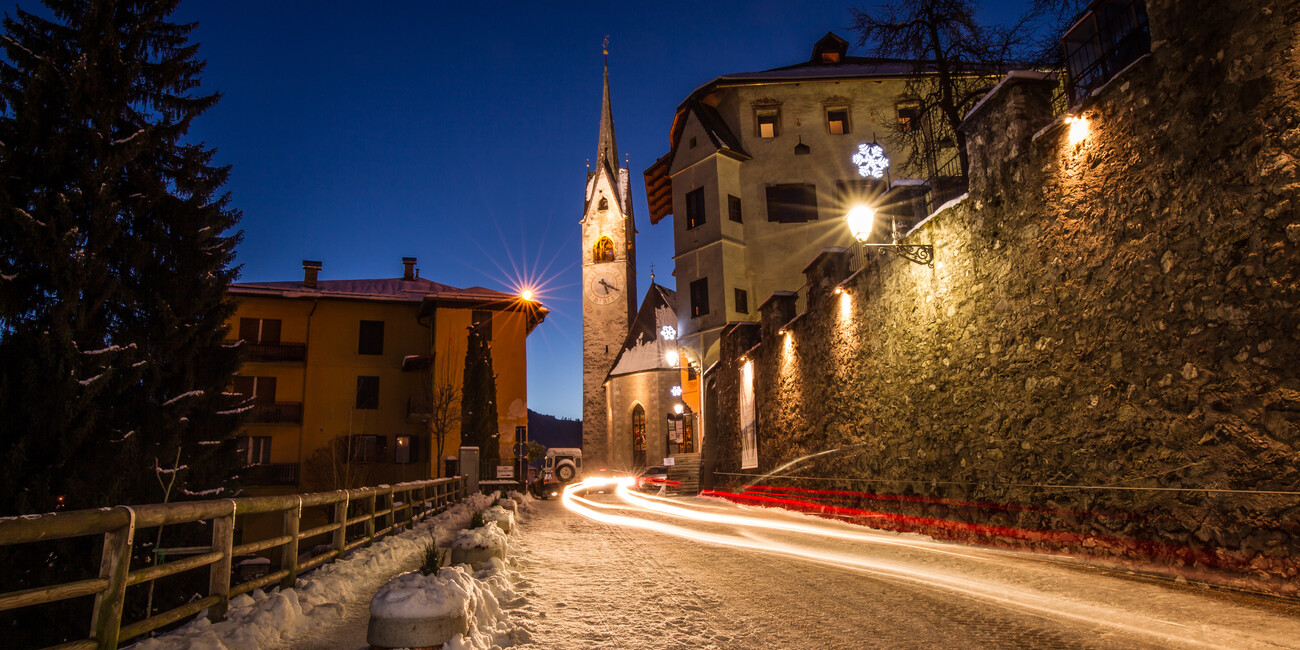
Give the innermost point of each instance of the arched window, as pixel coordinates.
(604, 203)
(603, 251)
(638, 436)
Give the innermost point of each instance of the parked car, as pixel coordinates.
(652, 477)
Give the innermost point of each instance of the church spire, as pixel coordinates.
(607, 149)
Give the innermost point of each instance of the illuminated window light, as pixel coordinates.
(1078, 128)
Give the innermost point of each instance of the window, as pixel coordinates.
(260, 330)
(604, 204)
(406, 450)
(255, 450)
(837, 120)
(603, 251)
(742, 301)
(699, 297)
(367, 393)
(768, 122)
(482, 321)
(371, 339)
(259, 389)
(691, 375)
(692, 143)
(792, 203)
(638, 436)
(695, 208)
(733, 208)
(908, 113)
(368, 449)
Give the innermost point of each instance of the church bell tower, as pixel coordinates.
(608, 280)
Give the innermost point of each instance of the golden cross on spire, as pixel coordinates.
(604, 46)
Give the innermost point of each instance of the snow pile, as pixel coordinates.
(504, 519)
(263, 618)
(482, 597)
(479, 538)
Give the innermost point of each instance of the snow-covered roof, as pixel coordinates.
(646, 347)
(385, 289)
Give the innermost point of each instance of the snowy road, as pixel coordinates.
(590, 584)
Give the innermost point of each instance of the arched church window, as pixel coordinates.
(638, 436)
(604, 203)
(604, 250)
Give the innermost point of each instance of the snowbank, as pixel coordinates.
(454, 592)
(503, 518)
(263, 618)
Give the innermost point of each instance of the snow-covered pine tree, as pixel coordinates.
(116, 246)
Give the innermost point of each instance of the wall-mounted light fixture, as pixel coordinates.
(677, 408)
(1078, 128)
(672, 358)
(862, 218)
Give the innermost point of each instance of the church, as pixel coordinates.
(640, 395)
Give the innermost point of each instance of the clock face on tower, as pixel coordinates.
(604, 288)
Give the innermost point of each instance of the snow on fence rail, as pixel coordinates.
(118, 525)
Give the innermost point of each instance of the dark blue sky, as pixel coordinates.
(458, 133)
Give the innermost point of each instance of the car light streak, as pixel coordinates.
(1007, 595)
(999, 593)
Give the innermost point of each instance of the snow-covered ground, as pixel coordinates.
(651, 573)
(329, 606)
(758, 577)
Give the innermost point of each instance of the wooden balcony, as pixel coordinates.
(271, 474)
(291, 352)
(277, 412)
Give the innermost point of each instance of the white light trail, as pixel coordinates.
(1003, 594)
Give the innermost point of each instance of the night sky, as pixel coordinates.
(459, 133)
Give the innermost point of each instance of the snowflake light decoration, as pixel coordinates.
(668, 332)
(871, 160)
(676, 391)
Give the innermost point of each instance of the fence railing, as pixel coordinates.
(275, 351)
(380, 510)
(1104, 41)
(286, 412)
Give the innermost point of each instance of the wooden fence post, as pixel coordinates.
(289, 552)
(114, 565)
(370, 521)
(341, 533)
(223, 541)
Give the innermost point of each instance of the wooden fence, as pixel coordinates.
(391, 507)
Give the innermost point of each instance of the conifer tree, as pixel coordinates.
(478, 420)
(116, 246)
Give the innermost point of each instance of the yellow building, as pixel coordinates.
(350, 381)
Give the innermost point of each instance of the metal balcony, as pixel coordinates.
(278, 412)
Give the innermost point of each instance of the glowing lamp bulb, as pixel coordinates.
(526, 294)
(860, 219)
(1078, 129)
(671, 357)
(677, 408)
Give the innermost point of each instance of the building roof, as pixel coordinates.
(645, 347)
(382, 289)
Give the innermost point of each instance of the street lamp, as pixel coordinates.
(861, 219)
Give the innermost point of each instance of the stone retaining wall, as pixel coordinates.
(1121, 312)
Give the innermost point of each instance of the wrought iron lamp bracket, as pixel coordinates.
(919, 253)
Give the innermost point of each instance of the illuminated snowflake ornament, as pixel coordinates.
(668, 332)
(871, 160)
(676, 391)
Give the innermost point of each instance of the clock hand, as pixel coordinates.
(605, 284)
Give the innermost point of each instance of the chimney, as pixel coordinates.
(310, 269)
(409, 263)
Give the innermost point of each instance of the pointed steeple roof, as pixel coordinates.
(606, 148)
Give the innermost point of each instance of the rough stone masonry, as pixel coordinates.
(1118, 315)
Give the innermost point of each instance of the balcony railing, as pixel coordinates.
(271, 474)
(418, 409)
(275, 351)
(1107, 39)
(947, 184)
(278, 412)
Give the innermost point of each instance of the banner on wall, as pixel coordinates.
(748, 419)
